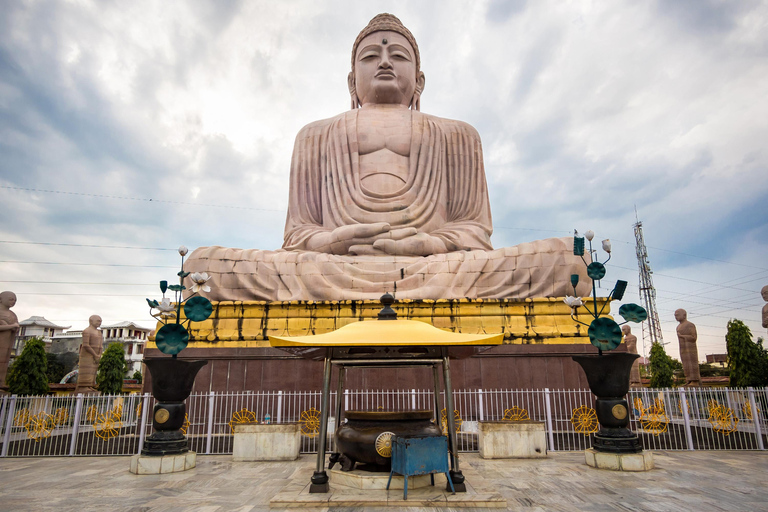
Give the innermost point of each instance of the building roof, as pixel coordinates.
(42, 322)
(123, 325)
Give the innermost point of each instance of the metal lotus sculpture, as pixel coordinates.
(607, 374)
(173, 378)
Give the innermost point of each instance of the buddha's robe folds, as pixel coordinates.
(444, 195)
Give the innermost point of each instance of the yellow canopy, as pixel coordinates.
(387, 333)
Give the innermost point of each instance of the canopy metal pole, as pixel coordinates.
(456, 477)
(436, 375)
(320, 477)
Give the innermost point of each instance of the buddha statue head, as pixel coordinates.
(386, 65)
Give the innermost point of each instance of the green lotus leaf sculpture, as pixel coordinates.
(604, 333)
(198, 309)
(171, 339)
(633, 313)
(596, 271)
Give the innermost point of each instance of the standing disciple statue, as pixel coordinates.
(689, 355)
(9, 326)
(384, 193)
(631, 341)
(90, 353)
(764, 293)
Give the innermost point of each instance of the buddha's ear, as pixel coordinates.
(352, 90)
(416, 100)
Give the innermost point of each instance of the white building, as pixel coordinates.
(36, 326)
(133, 337)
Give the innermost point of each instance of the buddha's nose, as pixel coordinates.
(385, 62)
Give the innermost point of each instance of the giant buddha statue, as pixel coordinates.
(386, 198)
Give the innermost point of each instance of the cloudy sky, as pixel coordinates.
(129, 128)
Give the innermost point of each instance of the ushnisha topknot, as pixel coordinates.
(386, 21)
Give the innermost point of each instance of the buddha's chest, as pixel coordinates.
(384, 129)
(384, 147)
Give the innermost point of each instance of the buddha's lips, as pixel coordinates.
(385, 74)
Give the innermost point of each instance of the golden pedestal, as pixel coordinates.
(530, 321)
(539, 339)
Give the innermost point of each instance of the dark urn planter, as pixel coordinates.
(357, 440)
(172, 381)
(608, 377)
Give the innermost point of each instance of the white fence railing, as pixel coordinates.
(664, 419)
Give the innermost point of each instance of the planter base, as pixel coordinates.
(642, 461)
(165, 442)
(258, 442)
(618, 440)
(148, 465)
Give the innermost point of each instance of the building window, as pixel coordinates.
(139, 349)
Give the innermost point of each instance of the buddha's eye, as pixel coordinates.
(369, 55)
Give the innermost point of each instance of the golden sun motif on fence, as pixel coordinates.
(39, 426)
(722, 418)
(185, 426)
(310, 422)
(653, 419)
(107, 425)
(584, 420)
(242, 416)
(515, 414)
(747, 410)
(457, 421)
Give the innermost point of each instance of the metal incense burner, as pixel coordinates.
(386, 343)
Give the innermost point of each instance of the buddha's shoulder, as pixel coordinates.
(451, 126)
(316, 127)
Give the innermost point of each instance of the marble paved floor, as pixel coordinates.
(683, 481)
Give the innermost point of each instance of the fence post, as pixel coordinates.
(143, 422)
(76, 424)
(8, 426)
(2, 410)
(211, 412)
(279, 418)
(756, 418)
(548, 404)
(413, 399)
(480, 408)
(686, 419)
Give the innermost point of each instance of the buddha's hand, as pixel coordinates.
(356, 238)
(419, 244)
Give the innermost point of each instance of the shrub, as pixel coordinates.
(112, 368)
(27, 375)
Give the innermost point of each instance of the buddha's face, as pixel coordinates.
(385, 70)
(764, 293)
(8, 299)
(626, 330)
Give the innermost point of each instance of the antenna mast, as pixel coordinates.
(652, 326)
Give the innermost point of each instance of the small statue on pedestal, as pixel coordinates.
(689, 355)
(9, 326)
(90, 353)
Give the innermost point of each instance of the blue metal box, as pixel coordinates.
(419, 455)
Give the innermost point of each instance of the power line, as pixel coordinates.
(87, 264)
(88, 245)
(143, 199)
(79, 283)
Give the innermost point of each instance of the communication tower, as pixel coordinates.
(652, 326)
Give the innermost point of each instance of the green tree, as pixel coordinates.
(747, 360)
(27, 374)
(112, 368)
(662, 367)
(55, 370)
(138, 376)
